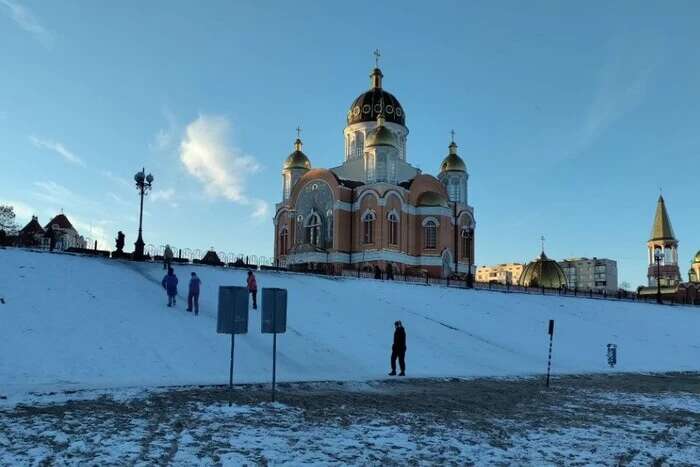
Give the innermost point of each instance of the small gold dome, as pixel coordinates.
(381, 135)
(697, 257)
(297, 159)
(543, 272)
(453, 162)
(430, 198)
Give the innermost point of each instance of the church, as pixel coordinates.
(375, 209)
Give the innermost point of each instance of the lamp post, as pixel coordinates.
(658, 256)
(469, 236)
(143, 185)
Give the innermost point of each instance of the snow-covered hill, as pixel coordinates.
(71, 322)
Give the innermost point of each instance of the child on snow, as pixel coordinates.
(253, 288)
(193, 295)
(170, 286)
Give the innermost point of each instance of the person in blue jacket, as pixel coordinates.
(170, 286)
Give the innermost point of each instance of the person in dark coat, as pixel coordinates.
(398, 349)
(377, 272)
(193, 294)
(170, 286)
(167, 257)
(253, 288)
(389, 272)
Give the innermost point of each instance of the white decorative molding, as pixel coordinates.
(363, 257)
(428, 219)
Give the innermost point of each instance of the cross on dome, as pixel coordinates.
(376, 58)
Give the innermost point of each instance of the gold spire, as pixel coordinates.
(453, 145)
(661, 229)
(298, 144)
(376, 76)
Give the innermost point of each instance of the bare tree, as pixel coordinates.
(7, 219)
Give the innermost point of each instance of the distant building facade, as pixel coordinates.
(597, 274)
(506, 273)
(58, 234)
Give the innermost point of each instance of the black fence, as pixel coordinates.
(265, 263)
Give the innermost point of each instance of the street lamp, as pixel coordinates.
(658, 257)
(468, 233)
(143, 185)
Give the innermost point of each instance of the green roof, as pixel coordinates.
(661, 229)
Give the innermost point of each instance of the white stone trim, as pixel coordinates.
(363, 257)
(427, 219)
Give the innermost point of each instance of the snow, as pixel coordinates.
(72, 323)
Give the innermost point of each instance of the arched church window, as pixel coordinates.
(454, 189)
(313, 230)
(287, 184)
(393, 228)
(430, 235)
(465, 238)
(368, 227)
(359, 144)
(284, 241)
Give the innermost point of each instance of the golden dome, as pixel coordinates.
(543, 272)
(431, 198)
(453, 162)
(381, 135)
(297, 159)
(697, 257)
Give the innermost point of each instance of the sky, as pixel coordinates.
(571, 117)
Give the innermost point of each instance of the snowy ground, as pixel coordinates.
(585, 420)
(74, 323)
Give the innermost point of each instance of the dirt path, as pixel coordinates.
(600, 419)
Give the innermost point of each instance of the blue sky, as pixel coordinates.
(570, 116)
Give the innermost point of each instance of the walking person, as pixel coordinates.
(170, 286)
(398, 349)
(253, 288)
(193, 294)
(167, 257)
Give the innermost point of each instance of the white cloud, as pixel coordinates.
(52, 192)
(207, 154)
(117, 199)
(116, 179)
(261, 209)
(58, 148)
(162, 195)
(26, 20)
(165, 137)
(92, 232)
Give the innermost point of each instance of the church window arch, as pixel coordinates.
(430, 228)
(465, 240)
(368, 227)
(359, 144)
(393, 219)
(284, 241)
(313, 229)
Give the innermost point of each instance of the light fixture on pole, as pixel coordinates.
(658, 257)
(143, 185)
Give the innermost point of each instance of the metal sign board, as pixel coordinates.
(274, 310)
(233, 310)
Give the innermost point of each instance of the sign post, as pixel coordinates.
(232, 319)
(549, 359)
(274, 321)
